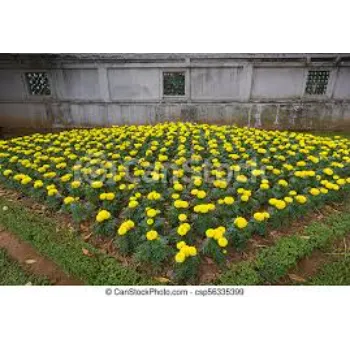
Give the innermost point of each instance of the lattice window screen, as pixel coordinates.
(38, 83)
(174, 83)
(317, 82)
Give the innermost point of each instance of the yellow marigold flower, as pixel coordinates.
(133, 204)
(178, 187)
(241, 178)
(341, 182)
(259, 216)
(292, 193)
(288, 199)
(38, 184)
(229, 200)
(75, 184)
(301, 199)
(314, 191)
(150, 221)
(103, 215)
(192, 251)
(180, 244)
(283, 183)
(197, 182)
(68, 200)
(181, 204)
(152, 235)
(210, 233)
(7, 172)
(328, 171)
(264, 186)
(201, 194)
(151, 213)
(180, 257)
(183, 229)
(96, 184)
(241, 222)
(223, 242)
(175, 196)
(245, 198)
(52, 192)
(182, 217)
(280, 204)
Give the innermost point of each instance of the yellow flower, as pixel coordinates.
(197, 182)
(152, 235)
(38, 184)
(259, 216)
(288, 199)
(183, 229)
(201, 194)
(180, 244)
(182, 217)
(222, 242)
(181, 204)
(75, 184)
(180, 257)
(328, 171)
(301, 199)
(154, 196)
(192, 251)
(68, 200)
(52, 192)
(241, 178)
(264, 186)
(280, 205)
(229, 200)
(103, 215)
(210, 233)
(245, 198)
(150, 221)
(178, 187)
(133, 204)
(241, 222)
(314, 191)
(96, 184)
(273, 201)
(151, 213)
(283, 183)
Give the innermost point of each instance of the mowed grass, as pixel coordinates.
(12, 274)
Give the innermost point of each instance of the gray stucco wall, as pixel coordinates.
(253, 90)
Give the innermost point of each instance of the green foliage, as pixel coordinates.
(152, 252)
(105, 228)
(242, 274)
(274, 262)
(213, 250)
(188, 270)
(336, 273)
(12, 274)
(66, 249)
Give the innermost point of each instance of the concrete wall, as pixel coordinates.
(197, 50)
(255, 90)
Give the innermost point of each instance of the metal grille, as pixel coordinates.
(174, 83)
(38, 83)
(317, 82)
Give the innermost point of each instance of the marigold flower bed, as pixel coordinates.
(175, 193)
